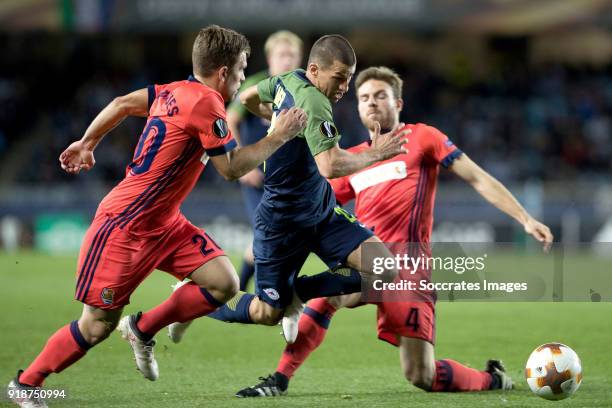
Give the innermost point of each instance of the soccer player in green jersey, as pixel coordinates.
(283, 51)
(298, 213)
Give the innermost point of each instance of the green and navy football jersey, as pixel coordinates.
(295, 193)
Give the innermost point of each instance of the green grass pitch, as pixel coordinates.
(352, 368)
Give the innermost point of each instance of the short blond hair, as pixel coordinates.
(283, 36)
(381, 74)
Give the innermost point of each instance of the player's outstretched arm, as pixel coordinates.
(336, 162)
(254, 178)
(79, 155)
(238, 162)
(250, 99)
(497, 194)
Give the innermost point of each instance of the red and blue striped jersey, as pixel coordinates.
(186, 125)
(396, 197)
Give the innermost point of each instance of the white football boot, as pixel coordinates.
(143, 350)
(23, 395)
(291, 318)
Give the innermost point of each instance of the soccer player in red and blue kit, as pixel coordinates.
(138, 226)
(396, 198)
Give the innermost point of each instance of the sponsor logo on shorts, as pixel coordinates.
(108, 296)
(272, 293)
(220, 128)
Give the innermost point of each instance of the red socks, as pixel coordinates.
(453, 376)
(186, 303)
(190, 301)
(312, 329)
(63, 349)
(450, 375)
(67, 345)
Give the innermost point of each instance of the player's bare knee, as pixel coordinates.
(265, 314)
(380, 252)
(218, 277)
(341, 301)
(270, 317)
(421, 382)
(230, 288)
(270, 320)
(335, 301)
(96, 331)
(388, 275)
(421, 376)
(225, 289)
(97, 324)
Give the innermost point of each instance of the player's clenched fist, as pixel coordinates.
(392, 143)
(289, 123)
(77, 157)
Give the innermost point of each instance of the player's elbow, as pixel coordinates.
(483, 185)
(120, 103)
(332, 165)
(326, 172)
(230, 175)
(233, 173)
(243, 99)
(328, 169)
(229, 166)
(247, 99)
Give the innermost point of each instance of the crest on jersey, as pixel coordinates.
(272, 293)
(328, 130)
(220, 128)
(108, 296)
(449, 143)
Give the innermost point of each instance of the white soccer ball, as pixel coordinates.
(553, 371)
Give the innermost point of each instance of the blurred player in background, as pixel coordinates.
(138, 226)
(396, 199)
(283, 51)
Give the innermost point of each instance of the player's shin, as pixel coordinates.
(313, 326)
(235, 310)
(247, 270)
(186, 303)
(64, 348)
(338, 281)
(453, 376)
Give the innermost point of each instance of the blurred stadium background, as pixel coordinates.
(524, 87)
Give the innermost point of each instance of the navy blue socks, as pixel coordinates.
(335, 282)
(236, 310)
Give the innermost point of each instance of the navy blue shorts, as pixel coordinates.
(279, 255)
(251, 197)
